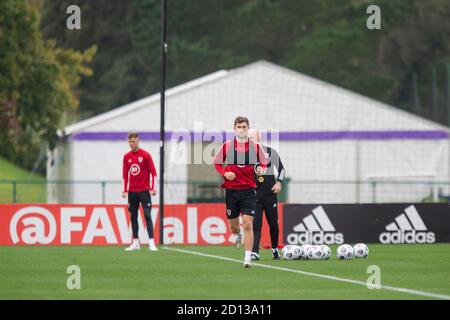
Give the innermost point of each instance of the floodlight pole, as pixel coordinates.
(161, 130)
(448, 94)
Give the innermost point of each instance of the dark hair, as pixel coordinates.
(133, 135)
(241, 119)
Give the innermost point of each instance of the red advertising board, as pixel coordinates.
(71, 224)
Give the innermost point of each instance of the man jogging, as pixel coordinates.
(240, 157)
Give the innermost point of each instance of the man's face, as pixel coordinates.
(241, 130)
(254, 135)
(134, 143)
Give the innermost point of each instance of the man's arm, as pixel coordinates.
(261, 156)
(219, 159)
(152, 170)
(276, 160)
(125, 175)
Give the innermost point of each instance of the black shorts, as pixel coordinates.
(238, 201)
(139, 197)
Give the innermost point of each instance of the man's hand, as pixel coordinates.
(229, 175)
(276, 187)
(259, 171)
(124, 194)
(153, 192)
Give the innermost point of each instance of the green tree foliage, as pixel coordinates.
(327, 39)
(120, 73)
(37, 83)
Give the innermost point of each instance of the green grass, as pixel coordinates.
(111, 273)
(26, 192)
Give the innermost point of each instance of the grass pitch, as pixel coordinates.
(217, 273)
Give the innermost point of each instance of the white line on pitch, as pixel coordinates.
(317, 275)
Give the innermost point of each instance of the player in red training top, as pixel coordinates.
(241, 157)
(137, 168)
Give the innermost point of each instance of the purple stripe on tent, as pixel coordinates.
(363, 135)
(110, 136)
(282, 136)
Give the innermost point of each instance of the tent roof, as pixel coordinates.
(270, 95)
(144, 102)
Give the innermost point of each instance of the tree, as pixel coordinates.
(37, 83)
(326, 39)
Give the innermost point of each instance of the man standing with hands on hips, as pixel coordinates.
(138, 166)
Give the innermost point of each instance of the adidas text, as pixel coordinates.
(317, 237)
(407, 237)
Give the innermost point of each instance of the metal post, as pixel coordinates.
(448, 94)
(194, 185)
(14, 191)
(435, 95)
(162, 106)
(103, 192)
(448, 118)
(417, 106)
(358, 171)
(374, 192)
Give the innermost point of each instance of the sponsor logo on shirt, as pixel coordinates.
(135, 170)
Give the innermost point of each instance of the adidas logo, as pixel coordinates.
(315, 228)
(408, 227)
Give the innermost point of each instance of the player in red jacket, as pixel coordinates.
(138, 166)
(241, 157)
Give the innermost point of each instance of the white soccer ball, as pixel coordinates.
(360, 250)
(308, 252)
(317, 252)
(326, 252)
(297, 252)
(302, 252)
(344, 252)
(288, 252)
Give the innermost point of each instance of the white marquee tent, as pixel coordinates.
(323, 133)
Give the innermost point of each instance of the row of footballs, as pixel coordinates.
(323, 252)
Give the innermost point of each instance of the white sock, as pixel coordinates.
(151, 242)
(136, 242)
(248, 255)
(274, 249)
